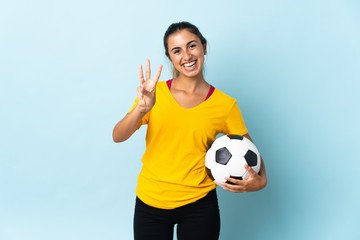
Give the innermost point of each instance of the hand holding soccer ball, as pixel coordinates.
(234, 162)
(254, 183)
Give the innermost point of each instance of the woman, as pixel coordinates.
(184, 115)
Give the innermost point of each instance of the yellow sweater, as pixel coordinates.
(173, 172)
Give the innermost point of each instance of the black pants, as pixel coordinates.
(198, 220)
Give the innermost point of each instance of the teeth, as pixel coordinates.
(189, 64)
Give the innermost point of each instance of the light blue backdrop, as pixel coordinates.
(68, 72)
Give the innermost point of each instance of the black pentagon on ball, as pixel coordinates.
(233, 136)
(222, 156)
(251, 158)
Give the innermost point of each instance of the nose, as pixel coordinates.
(187, 55)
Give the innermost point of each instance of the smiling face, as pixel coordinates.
(186, 52)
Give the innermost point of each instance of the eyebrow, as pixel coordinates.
(186, 45)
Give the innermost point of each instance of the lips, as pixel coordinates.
(190, 66)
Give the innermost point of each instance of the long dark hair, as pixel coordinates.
(177, 27)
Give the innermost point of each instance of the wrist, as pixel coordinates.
(140, 110)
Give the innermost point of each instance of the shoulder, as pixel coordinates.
(162, 85)
(223, 97)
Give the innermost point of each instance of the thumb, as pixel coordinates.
(250, 170)
(140, 92)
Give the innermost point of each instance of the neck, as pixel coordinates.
(190, 85)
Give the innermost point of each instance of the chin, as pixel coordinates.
(192, 74)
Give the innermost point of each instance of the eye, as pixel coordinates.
(176, 52)
(192, 45)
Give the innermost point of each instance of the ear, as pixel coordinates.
(204, 46)
(170, 59)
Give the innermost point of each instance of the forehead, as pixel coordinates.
(181, 38)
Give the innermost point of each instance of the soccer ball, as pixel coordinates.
(227, 156)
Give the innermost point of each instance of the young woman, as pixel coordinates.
(183, 115)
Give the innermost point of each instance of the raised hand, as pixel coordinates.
(147, 88)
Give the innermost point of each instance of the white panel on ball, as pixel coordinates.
(219, 173)
(235, 166)
(220, 142)
(237, 147)
(209, 158)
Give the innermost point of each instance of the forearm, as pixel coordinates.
(262, 173)
(128, 125)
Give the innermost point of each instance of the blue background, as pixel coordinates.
(68, 72)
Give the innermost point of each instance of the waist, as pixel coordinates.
(209, 198)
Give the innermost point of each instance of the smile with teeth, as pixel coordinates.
(190, 66)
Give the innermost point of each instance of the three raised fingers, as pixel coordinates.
(148, 73)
